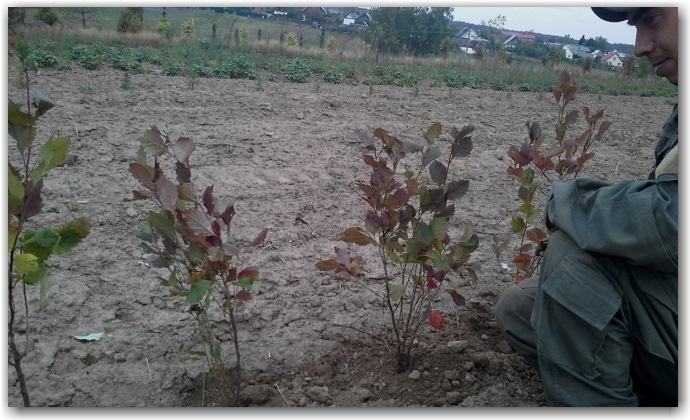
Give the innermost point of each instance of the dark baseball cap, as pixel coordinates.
(613, 14)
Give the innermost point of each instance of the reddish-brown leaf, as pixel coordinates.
(259, 238)
(458, 299)
(142, 174)
(355, 235)
(207, 199)
(166, 191)
(183, 148)
(243, 296)
(328, 265)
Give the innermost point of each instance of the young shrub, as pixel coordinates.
(408, 221)
(30, 249)
(191, 238)
(534, 160)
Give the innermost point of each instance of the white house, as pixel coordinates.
(575, 51)
(612, 58)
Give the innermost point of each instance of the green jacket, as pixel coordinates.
(633, 220)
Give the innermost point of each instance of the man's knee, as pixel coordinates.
(513, 311)
(515, 303)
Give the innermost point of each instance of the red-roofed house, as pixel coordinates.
(612, 59)
(515, 38)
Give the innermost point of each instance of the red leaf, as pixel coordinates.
(252, 273)
(522, 261)
(430, 283)
(259, 238)
(436, 320)
(328, 265)
(518, 172)
(243, 296)
(199, 222)
(208, 200)
(167, 193)
(357, 236)
(519, 278)
(228, 213)
(343, 256)
(142, 174)
(458, 299)
(457, 189)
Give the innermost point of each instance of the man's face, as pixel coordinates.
(657, 39)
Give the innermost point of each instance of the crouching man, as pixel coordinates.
(600, 322)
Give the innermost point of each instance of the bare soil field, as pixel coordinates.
(288, 155)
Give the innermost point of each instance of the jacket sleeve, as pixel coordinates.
(634, 220)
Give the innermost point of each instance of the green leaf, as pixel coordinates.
(437, 261)
(89, 337)
(396, 292)
(198, 291)
(37, 276)
(53, 153)
(172, 280)
(12, 233)
(162, 222)
(16, 190)
(19, 127)
(71, 235)
(245, 283)
(433, 132)
(25, 263)
(430, 155)
(34, 247)
(440, 228)
(45, 238)
(424, 234)
(517, 224)
(144, 236)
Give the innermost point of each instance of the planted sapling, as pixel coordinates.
(535, 161)
(408, 221)
(30, 249)
(190, 236)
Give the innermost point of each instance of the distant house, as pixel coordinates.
(612, 58)
(573, 52)
(314, 13)
(357, 19)
(516, 38)
(468, 37)
(521, 36)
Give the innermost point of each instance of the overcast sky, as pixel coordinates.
(561, 21)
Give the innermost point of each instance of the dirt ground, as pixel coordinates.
(289, 157)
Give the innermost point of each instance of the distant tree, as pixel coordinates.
(131, 20)
(415, 30)
(494, 33)
(582, 41)
(599, 43)
(79, 14)
(48, 15)
(15, 17)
